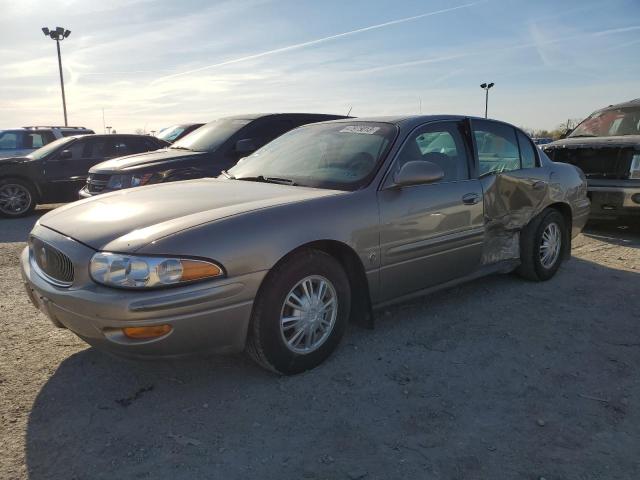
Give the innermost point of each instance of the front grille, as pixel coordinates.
(603, 162)
(96, 182)
(54, 264)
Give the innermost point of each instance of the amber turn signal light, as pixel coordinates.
(140, 333)
(197, 270)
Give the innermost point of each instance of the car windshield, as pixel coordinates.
(49, 147)
(340, 155)
(210, 136)
(609, 123)
(171, 133)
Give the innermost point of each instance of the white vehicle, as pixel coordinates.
(18, 142)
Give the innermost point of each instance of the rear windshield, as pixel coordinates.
(610, 123)
(210, 136)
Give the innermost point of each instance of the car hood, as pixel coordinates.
(595, 142)
(127, 220)
(144, 160)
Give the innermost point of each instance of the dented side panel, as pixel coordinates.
(511, 200)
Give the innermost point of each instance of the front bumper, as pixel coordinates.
(205, 317)
(613, 199)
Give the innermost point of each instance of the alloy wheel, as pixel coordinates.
(14, 199)
(550, 245)
(309, 314)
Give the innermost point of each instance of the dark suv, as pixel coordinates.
(55, 172)
(606, 146)
(206, 152)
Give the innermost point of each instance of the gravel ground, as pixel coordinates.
(499, 378)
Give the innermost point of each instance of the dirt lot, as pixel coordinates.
(497, 379)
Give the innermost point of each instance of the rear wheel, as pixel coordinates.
(17, 198)
(300, 314)
(542, 246)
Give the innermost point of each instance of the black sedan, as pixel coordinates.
(55, 172)
(206, 152)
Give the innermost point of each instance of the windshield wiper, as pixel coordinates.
(579, 136)
(177, 147)
(228, 175)
(262, 178)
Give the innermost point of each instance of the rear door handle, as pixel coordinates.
(470, 198)
(539, 185)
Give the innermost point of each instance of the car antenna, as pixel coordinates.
(349, 112)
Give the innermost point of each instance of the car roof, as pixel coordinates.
(630, 103)
(256, 116)
(111, 135)
(412, 121)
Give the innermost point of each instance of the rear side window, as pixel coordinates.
(497, 147)
(96, 148)
(527, 152)
(37, 139)
(8, 141)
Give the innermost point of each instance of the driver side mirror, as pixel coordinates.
(418, 172)
(245, 145)
(64, 155)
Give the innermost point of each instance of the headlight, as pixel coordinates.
(132, 271)
(117, 181)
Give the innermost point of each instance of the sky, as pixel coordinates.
(149, 64)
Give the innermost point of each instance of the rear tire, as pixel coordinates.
(17, 198)
(300, 313)
(543, 244)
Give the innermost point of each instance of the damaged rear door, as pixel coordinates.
(514, 186)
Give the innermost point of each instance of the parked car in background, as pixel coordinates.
(207, 151)
(55, 172)
(606, 146)
(314, 229)
(18, 142)
(542, 140)
(176, 132)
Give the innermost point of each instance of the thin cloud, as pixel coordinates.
(319, 40)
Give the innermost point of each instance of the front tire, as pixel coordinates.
(17, 198)
(543, 243)
(300, 313)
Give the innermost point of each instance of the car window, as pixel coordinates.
(441, 143)
(120, 148)
(77, 149)
(497, 147)
(94, 148)
(8, 141)
(34, 140)
(527, 151)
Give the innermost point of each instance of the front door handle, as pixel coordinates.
(539, 185)
(470, 198)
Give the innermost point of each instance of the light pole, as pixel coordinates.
(58, 35)
(486, 87)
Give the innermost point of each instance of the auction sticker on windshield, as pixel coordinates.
(366, 129)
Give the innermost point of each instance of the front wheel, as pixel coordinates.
(542, 246)
(17, 198)
(300, 313)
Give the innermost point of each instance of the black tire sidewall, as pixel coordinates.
(269, 307)
(32, 194)
(556, 217)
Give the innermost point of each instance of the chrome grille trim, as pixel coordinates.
(50, 263)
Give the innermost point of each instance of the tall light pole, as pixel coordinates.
(486, 87)
(58, 35)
